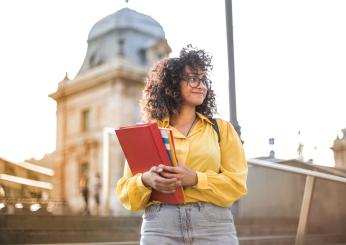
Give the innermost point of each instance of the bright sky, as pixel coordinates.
(290, 59)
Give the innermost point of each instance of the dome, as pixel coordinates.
(124, 35)
(127, 19)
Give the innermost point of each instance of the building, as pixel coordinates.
(104, 94)
(24, 187)
(339, 149)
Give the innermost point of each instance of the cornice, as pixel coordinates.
(100, 75)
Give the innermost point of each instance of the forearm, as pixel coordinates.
(222, 188)
(132, 193)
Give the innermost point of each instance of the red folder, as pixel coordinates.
(143, 148)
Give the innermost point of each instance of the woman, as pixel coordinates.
(178, 95)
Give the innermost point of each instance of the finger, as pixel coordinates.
(170, 175)
(165, 181)
(170, 168)
(169, 186)
(156, 169)
(166, 187)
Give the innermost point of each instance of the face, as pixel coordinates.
(193, 86)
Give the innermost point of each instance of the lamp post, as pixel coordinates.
(231, 77)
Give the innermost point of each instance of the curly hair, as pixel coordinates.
(162, 96)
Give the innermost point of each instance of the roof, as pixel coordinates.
(127, 19)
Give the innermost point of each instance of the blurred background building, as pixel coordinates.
(104, 93)
(339, 149)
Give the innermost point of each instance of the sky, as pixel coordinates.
(290, 59)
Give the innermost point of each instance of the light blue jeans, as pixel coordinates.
(191, 224)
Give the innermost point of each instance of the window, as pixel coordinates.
(121, 44)
(95, 60)
(33, 176)
(142, 56)
(9, 170)
(85, 120)
(160, 55)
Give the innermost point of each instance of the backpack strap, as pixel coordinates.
(216, 128)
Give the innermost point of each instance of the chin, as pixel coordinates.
(197, 103)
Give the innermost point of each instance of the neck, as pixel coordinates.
(186, 116)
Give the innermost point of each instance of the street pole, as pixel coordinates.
(231, 76)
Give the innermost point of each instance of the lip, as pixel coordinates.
(198, 93)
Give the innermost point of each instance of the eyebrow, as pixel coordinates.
(195, 74)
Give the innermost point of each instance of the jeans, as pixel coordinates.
(190, 224)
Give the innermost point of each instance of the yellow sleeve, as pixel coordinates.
(131, 191)
(229, 184)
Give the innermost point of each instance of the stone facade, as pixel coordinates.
(104, 94)
(339, 148)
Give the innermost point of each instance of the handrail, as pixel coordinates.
(279, 166)
(308, 190)
(25, 181)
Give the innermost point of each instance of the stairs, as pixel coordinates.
(19, 229)
(279, 231)
(44, 229)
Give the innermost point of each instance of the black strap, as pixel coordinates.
(216, 128)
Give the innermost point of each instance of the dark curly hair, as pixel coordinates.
(162, 97)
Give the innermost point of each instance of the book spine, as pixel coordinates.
(166, 141)
(161, 148)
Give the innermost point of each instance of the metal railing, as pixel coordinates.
(15, 204)
(311, 176)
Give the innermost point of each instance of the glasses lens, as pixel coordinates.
(194, 81)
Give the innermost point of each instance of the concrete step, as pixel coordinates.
(315, 239)
(36, 229)
(94, 243)
(29, 229)
(266, 226)
(48, 222)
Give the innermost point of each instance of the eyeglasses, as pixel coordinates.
(195, 81)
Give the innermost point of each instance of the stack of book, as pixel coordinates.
(147, 145)
(168, 140)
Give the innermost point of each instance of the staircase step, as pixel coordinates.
(316, 239)
(266, 226)
(33, 229)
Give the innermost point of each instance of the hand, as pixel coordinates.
(186, 176)
(153, 179)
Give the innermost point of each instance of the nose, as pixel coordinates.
(201, 85)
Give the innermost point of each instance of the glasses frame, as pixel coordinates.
(204, 81)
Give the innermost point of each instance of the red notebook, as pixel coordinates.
(143, 148)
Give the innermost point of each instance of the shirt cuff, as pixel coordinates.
(202, 181)
(140, 183)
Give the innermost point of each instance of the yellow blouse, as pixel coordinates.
(221, 167)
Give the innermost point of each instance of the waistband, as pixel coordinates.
(186, 205)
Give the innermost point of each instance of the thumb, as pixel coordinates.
(156, 169)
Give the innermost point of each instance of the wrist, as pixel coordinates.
(195, 179)
(145, 180)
